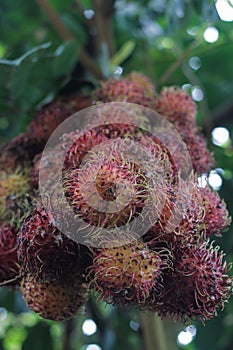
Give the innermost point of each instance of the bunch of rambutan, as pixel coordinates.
(144, 241)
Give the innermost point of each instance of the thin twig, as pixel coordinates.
(55, 20)
(177, 63)
(153, 332)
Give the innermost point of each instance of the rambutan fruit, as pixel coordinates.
(9, 268)
(125, 91)
(90, 188)
(202, 159)
(78, 102)
(198, 287)
(191, 215)
(50, 116)
(15, 197)
(118, 118)
(143, 81)
(125, 275)
(45, 251)
(110, 187)
(19, 152)
(176, 105)
(57, 300)
(83, 143)
(215, 218)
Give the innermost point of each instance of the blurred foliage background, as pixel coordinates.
(67, 47)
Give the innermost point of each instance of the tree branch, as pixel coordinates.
(69, 327)
(54, 19)
(177, 63)
(103, 13)
(153, 332)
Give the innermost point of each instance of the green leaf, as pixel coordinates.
(34, 76)
(124, 52)
(35, 342)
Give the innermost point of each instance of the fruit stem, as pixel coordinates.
(153, 332)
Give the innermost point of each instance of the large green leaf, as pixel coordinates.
(36, 75)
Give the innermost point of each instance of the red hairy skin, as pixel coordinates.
(176, 105)
(19, 152)
(50, 116)
(125, 275)
(119, 177)
(199, 286)
(202, 159)
(125, 91)
(57, 300)
(44, 251)
(9, 267)
(143, 81)
(106, 174)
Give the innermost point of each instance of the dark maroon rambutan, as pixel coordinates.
(9, 268)
(45, 251)
(57, 300)
(50, 116)
(19, 152)
(125, 91)
(198, 287)
(125, 275)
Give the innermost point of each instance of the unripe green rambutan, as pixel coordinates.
(9, 268)
(57, 300)
(125, 91)
(46, 252)
(198, 287)
(15, 198)
(125, 275)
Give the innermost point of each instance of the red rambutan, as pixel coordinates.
(19, 152)
(46, 252)
(125, 275)
(125, 91)
(143, 81)
(202, 159)
(9, 268)
(198, 287)
(57, 300)
(176, 105)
